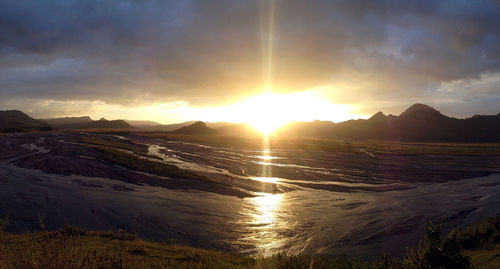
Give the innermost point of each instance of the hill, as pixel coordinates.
(418, 123)
(175, 126)
(168, 127)
(68, 122)
(197, 128)
(143, 123)
(17, 121)
(108, 124)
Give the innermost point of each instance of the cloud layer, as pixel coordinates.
(370, 54)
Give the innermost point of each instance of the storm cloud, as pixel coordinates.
(371, 54)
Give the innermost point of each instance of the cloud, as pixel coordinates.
(133, 53)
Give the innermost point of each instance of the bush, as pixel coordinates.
(436, 253)
(69, 230)
(483, 235)
(119, 235)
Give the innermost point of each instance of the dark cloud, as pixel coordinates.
(207, 52)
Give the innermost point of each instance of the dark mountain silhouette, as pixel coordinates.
(175, 126)
(220, 124)
(17, 121)
(423, 123)
(168, 127)
(108, 124)
(143, 123)
(68, 122)
(419, 123)
(197, 128)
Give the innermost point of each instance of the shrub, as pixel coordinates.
(436, 253)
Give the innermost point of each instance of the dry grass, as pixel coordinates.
(74, 248)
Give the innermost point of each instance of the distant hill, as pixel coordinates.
(168, 127)
(143, 123)
(175, 126)
(17, 121)
(108, 124)
(419, 123)
(68, 122)
(197, 128)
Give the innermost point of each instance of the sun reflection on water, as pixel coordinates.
(265, 222)
(267, 179)
(266, 206)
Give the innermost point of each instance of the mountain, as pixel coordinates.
(167, 127)
(143, 123)
(421, 123)
(68, 122)
(218, 125)
(17, 121)
(197, 128)
(108, 124)
(418, 123)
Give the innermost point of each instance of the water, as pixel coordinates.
(363, 214)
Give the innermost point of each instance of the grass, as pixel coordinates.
(485, 258)
(144, 165)
(114, 142)
(111, 150)
(72, 247)
(75, 248)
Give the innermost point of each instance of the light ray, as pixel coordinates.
(267, 43)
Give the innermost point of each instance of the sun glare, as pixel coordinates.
(270, 111)
(266, 112)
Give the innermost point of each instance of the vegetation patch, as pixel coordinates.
(72, 247)
(144, 165)
(113, 142)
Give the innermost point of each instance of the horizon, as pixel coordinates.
(97, 118)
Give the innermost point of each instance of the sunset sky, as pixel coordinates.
(172, 61)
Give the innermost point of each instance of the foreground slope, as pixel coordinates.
(72, 247)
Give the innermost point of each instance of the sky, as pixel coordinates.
(172, 61)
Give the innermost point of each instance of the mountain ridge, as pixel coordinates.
(197, 128)
(18, 121)
(418, 123)
(107, 124)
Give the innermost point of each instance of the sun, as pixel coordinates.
(267, 112)
(270, 111)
